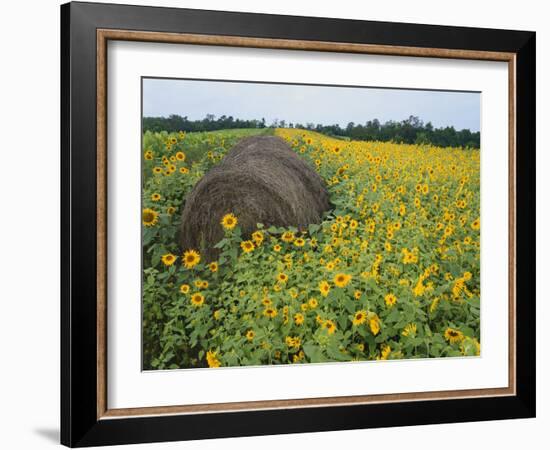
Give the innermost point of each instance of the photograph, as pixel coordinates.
(296, 224)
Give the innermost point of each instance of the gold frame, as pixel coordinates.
(103, 36)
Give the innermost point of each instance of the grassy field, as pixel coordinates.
(392, 272)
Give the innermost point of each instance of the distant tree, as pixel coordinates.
(411, 130)
(422, 138)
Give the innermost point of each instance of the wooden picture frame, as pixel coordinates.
(86, 418)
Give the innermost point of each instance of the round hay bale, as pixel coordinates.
(260, 180)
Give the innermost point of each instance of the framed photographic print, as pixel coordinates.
(277, 224)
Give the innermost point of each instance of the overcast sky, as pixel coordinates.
(302, 104)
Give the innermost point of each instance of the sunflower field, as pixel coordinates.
(392, 272)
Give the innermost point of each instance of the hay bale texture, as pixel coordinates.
(260, 180)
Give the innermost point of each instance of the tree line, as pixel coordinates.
(409, 131)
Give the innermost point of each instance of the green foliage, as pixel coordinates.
(404, 224)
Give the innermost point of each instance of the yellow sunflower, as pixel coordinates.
(288, 236)
(298, 319)
(453, 336)
(359, 318)
(299, 242)
(247, 246)
(149, 217)
(324, 288)
(191, 258)
(197, 299)
(374, 324)
(385, 351)
(282, 277)
(390, 300)
(168, 259)
(409, 257)
(270, 312)
(184, 289)
(341, 279)
(293, 342)
(330, 326)
(258, 237)
(212, 359)
(409, 330)
(298, 356)
(229, 221)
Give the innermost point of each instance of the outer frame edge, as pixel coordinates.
(526, 223)
(101, 432)
(65, 334)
